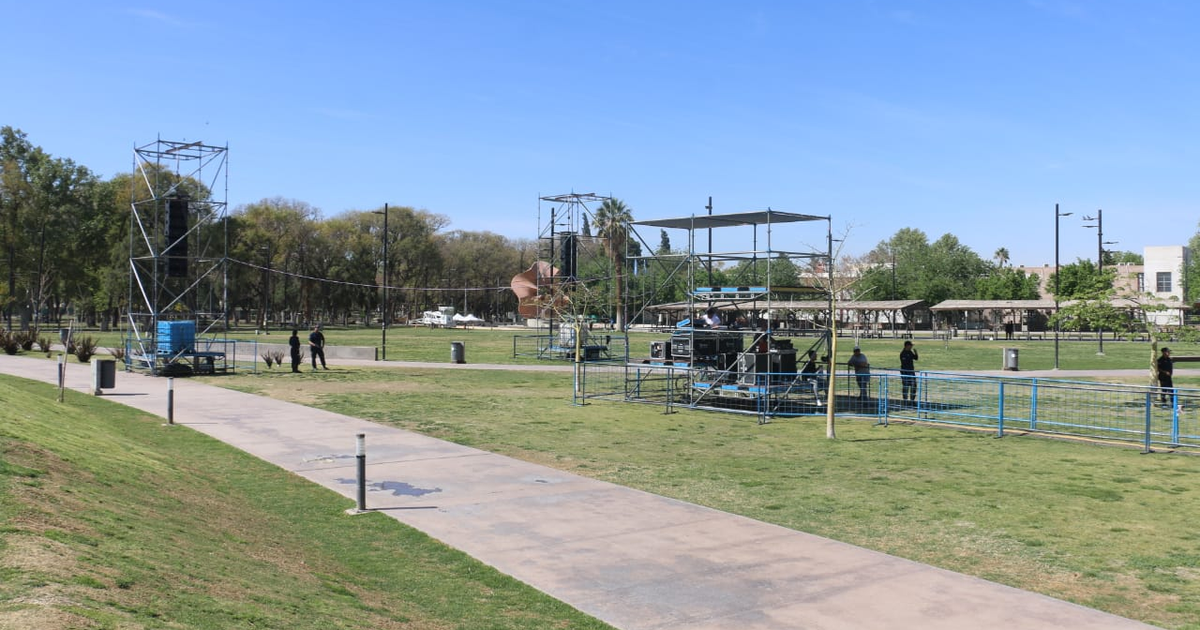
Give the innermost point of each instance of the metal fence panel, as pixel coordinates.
(1126, 413)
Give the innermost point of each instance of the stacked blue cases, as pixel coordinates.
(176, 337)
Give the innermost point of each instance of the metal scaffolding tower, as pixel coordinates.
(178, 249)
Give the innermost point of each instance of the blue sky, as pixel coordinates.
(972, 118)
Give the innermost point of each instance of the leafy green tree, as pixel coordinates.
(664, 243)
(1123, 258)
(1082, 280)
(908, 267)
(612, 221)
(1191, 272)
(1006, 283)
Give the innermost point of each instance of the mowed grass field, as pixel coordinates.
(109, 519)
(492, 345)
(1105, 527)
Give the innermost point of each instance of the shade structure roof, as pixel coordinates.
(705, 221)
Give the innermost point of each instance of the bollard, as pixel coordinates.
(62, 375)
(360, 453)
(170, 400)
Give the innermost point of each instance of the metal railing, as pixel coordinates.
(1149, 416)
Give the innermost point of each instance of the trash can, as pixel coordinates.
(1010, 359)
(458, 352)
(104, 375)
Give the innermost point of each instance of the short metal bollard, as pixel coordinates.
(170, 400)
(360, 452)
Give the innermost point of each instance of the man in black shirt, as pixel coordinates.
(908, 371)
(1166, 369)
(294, 342)
(316, 345)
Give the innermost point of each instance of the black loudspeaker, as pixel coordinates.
(751, 365)
(660, 349)
(568, 255)
(177, 243)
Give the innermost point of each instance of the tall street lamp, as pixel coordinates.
(266, 317)
(1100, 243)
(384, 326)
(1057, 269)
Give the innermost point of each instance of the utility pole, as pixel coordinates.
(1057, 269)
(1100, 243)
(384, 307)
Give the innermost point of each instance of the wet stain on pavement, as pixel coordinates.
(397, 488)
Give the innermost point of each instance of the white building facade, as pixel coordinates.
(1163, 277)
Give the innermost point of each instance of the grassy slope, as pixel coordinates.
(110, 519)
(1106, 527)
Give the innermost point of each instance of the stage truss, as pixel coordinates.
(178, 248)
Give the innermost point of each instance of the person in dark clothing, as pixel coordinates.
(908, 371)
(1166, 369)
(808, 373)
(294, 342)
(862, 371)
(810, 365)
(316, 346)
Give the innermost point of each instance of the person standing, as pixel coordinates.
(316, 345)
(862, 371)
(1166, 370)
(294, 342)
(908, 372)
(712, 317)
(808, 373)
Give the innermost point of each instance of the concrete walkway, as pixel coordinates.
(635, 560)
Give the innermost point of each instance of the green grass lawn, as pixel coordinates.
(1105, 527)
(108, 519)
(490, 345)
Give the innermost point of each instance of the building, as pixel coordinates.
(1161, 276)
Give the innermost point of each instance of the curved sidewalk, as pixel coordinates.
(635, 560)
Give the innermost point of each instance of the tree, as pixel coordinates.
(1001, 256)
(1191, 272)
(664, 243)
(908, 267)
(1123, 258)
(612, 221)
(1081, 280)
(1091, 290)
(1006, 283)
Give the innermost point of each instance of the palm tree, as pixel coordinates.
(1001, 256)
(611, 223)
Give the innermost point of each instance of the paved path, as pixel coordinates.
(635, 560)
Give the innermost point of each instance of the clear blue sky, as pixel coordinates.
(972, 118)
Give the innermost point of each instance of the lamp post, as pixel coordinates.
(384, 326)
(1057, 216)
(1100, 243)
(267, 291)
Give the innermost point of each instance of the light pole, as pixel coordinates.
(1057, 216)
(384, 326)
(1100, 243)
(267, 291)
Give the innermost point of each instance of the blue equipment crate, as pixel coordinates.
(176, 337)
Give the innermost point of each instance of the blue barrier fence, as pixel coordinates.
(1148, 416)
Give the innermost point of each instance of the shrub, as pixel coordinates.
(268, 359)
(277, 356)
(26, 340)
(117, 353)
(9, 342)
(85, 349)
(45, 344)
